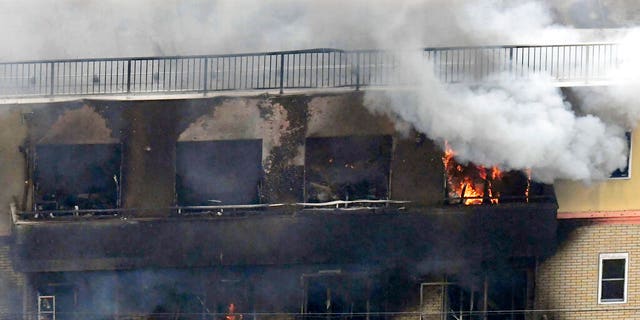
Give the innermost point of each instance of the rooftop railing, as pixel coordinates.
(300, 69)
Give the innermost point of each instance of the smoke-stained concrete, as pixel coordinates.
(149, 132)
(149, 145)
(13, 164)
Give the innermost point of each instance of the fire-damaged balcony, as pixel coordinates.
(570, 64)
(192, 206)
(348, 214)
(277, 237)
(147, 186)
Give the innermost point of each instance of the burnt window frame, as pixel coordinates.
(260, 169)
(609, 257)
(625, 173)
(387, 165)
(34, 167)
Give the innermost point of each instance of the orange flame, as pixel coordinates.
(528, 189)
(471, 183)
(231, 314)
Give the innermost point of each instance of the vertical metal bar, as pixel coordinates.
(51, 78)
(246, 72)
(128, 75)
(192, 70)
(265, 73)
(111, 76)
(253, 68)
(64, 80)
(299, 66)
(235, 71)
(227, 72)
(217, 71)
(206, 71)
(281, 72)
(321, 69)
(485, 298)
(357, 71)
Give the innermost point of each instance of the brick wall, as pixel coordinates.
(11, 284)
(432, 302)
(569, 279)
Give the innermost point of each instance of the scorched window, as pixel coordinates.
(82, 176)
(226, 172)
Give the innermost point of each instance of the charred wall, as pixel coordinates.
(437, 239)
(13, 166)
(155, 160)
(188, 152)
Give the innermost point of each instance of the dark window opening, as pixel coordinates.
(339, 295)
(505, 291)
(624, 172)
(224, 172)
(85, 176)
(57, 300)
(347, 168)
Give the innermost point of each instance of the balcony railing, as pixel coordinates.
(301, 69)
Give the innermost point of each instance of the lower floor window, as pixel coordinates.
(613, 278)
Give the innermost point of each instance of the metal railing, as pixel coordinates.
(300, 69)
(198, 211)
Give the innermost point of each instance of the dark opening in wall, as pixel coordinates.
(624, 172)
(218, 172)
(338, 294)
(347, 168)
(82, 175)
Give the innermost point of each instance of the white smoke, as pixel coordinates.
(617, 102)
(523, 124)
(45, 29)
(514, 125)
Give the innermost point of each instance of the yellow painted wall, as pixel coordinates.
(609, 195)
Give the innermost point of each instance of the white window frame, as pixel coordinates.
(613, 256)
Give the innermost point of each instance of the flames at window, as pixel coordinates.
(470, 184)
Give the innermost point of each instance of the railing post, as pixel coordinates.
(511, 60)
(206, 78)
(281, 72)
(357, 71)
(51, 78)
(128, 75)
(586, 68)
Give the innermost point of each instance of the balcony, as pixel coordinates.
(280, 235)
(566, 65)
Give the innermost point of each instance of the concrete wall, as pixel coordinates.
(13, 132)
(11, 284)
(569, 279)
(149, 131)
(609, 195)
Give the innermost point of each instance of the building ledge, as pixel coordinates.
(622, 216)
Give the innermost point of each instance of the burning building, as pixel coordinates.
(143, 189)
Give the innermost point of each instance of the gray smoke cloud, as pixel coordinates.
(514, 125)
(37, 29)
(523, 124)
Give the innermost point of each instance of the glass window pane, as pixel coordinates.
(612, 290)
(613, 269)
